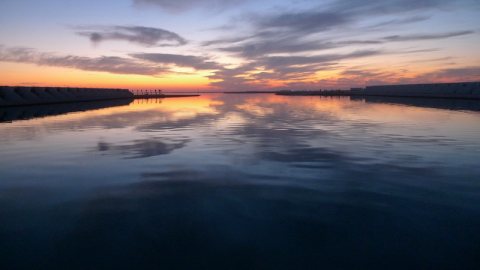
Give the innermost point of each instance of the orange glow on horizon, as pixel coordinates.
(15, 74)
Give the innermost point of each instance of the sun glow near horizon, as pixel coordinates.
(247, 46)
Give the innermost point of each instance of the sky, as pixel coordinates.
(234, 45)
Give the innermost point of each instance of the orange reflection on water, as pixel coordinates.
(347, 109)
(179, 108)
(322, 113)
(140, 109)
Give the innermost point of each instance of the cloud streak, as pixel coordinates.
(281, 61)
(145, 36)
(471, 73)
(136, 64)
(318, 29)
(283, 45)
(110, 64)
(433, 36)
(196, 62)
(184, 5)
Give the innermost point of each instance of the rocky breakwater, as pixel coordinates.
(467, 90)
(19, 96)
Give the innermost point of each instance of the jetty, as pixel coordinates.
(164, 96)
(148, 94)
(20, 96)
(26, 96)
(463, 90)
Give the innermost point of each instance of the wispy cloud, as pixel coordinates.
(196, 62)
(281, 61)
(137, 63)
(405, 38)
(471, 73)
(386, 6)
(400, 21)
(111, 64)
(285, 45)
(184, 5)
(305, 21)
(320, 28)
(146, 36)
(346, 12)
(429, 36)
(258, 47)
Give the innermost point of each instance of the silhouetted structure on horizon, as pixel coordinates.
(464, 90)
(18, 96)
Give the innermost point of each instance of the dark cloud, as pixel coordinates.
(225, 41)
(259, 47)
(305, 21)
(362, 73)
(415, 37)
(357, 42)
(196, 62)
(400, 21)
(147, 36)
(368, 76)
(183, 5)
(111, 64)
(322, 28)
(284, 45)
(345, 12)
(405, 38)
(279, 61)
(139, 63)
(420, 51)
(379, 8)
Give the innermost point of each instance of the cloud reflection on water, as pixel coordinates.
(243, 181)
(142, 148)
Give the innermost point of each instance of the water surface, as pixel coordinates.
(242, 182)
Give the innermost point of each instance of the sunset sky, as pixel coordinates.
(237, 45)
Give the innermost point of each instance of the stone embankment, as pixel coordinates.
(467, 90)
(18, 96)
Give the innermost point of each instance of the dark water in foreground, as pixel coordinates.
(242, 182)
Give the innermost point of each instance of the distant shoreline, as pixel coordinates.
(463, 90)
(24, 96)
(27, 96)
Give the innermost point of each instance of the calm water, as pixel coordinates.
(242, 182)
